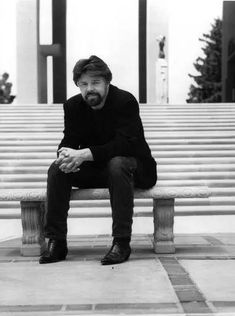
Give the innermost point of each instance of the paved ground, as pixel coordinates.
(199, 279)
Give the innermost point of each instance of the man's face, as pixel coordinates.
(94, 89)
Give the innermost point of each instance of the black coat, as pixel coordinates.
(114, 130)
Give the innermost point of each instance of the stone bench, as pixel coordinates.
(33, 208)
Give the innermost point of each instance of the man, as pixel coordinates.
(103, 146)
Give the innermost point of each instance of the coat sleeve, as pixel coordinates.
(128, 131)
(71, 136)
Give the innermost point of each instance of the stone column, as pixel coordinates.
(27, 51)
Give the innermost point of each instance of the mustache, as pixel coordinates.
(91, 93)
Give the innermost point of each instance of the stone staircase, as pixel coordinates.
(192, 143)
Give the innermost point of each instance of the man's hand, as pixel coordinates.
(70, 159)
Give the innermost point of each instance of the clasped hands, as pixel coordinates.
(70, 159)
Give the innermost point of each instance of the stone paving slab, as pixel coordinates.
(191, 240)
(215, 278)
(141, 281)
(227, 239)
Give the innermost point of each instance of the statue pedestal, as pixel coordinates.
(161, 81)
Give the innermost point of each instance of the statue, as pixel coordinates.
(161, 42)
(5, 89)
(161, 73)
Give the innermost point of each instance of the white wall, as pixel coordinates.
(108, 29)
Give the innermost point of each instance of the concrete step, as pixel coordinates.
(143, 112)
(204, 110)
(18, 159)
(193, 160)
(213, 183)
(52, 117)
(185, 147)
(205, 210)
(20, 155)
(193, 153)
(22, 185)
(18, 168)
(24, 142)
(167, 141)
(20, 118)
(190, 135)
(154, 147)
(22, 170)
(202, 106)
(223, 191)
(23, 162)
(153, 128)
(172, 176)
(156, 154)
(214, 201)
(22, 149)
(180, 161)
(146, 210)
(198, 175)
(147, 127)
(196, 141)
(196, 168)
(31, 136)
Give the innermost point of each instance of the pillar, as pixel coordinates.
(27, 51)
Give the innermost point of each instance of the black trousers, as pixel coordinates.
(118, 175)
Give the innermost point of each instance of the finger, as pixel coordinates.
(69, 169)
(66, 170)
(76, 169)
(63, 167)
(66, 160)
(71, 165)
(63, 152)
(59, 160)
(62, 149)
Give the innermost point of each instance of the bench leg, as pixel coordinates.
(33, 241)
(163, 214)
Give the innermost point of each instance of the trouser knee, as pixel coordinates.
(54, 172)
(121, 166)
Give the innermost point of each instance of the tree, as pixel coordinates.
(209, 85)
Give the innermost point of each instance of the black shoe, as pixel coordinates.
(56, 251)
(117, 254)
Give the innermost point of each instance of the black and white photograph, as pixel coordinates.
(117, 157)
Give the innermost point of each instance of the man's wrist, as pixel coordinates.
(86, 154)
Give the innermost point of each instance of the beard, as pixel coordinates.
(93, 99)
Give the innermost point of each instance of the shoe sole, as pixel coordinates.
(44, 261)
(105, 263)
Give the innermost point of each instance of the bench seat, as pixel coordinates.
(33, 207)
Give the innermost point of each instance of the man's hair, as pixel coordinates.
(93, 64)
